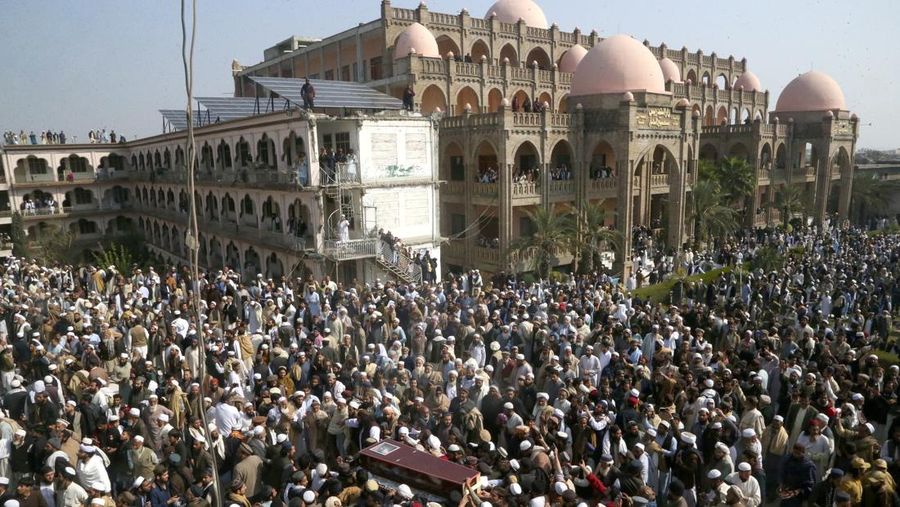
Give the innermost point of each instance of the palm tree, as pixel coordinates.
(553, 233)
(871, 196)
(592, 235)
(710, 216)
(792, 199)
(736, 178)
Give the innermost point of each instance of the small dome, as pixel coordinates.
(748, 82)
(670, 71)
(572, 58)
(417, 37)
(616, 65)
(511, 11)
(813, 91)
(682, 104)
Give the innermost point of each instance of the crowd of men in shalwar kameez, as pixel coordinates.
(755, 388)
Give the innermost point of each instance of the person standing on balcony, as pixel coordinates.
(408, 97)
(343, 229)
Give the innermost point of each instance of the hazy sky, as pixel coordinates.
(77, 65)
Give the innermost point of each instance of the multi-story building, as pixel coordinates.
(266, 204)
(620, 123)
(527, 115)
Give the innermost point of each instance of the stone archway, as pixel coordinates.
(561, 161)
(467, 97)
(433, 100)
(495, 100)
(603, 161)
(509, 53)
(539, 56)
(479, 50)
(446, 45)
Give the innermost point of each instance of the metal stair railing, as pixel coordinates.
(398, 263)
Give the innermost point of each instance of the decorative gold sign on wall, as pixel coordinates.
(656, 118)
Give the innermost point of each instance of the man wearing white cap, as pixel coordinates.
(686, 465)
(141, 458)
(91, 467)
(73, 495)
(748, 484)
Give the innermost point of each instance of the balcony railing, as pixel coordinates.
(526, 189)
(486, 189)
(562, 187)
(456, 187)
(352, 249)
(659, 180)
(482, 254)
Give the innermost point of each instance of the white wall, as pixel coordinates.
(407, 212)
(397, 150)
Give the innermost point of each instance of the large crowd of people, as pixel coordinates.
(751, 389)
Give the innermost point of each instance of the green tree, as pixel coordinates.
(53, 245)
(592, 235)
(736, 178)
(553, 233)
(710, 216)
(115, 254)
(18, 237)
(793, 199)
(871, 196)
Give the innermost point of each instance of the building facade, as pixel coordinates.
(265, 203)
(535, 116)
(519, 115)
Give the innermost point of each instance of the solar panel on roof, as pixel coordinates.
(330, 94)
(177, 118)
(220, 109)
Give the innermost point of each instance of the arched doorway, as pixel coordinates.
(274, 267)
(251, 262)
(722, 82)
(561, 167)
(691, 77)
(223, 156)
(480, 50)
(526, 163)
(488, 165)
(603, 161)
(454, 163)
(467, 97)
(447, 45)
(539, 56)
(495, 100)
(433, 100)
(545, 98)
(563, 104)
(709, 118)
(508, 53)
(271, 215)
(722, 116)
(781, 157)
(232, 256)
(265, 153)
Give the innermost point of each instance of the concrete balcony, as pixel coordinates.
(562, 188)
(603, 187)
(352, 249)
(455, 187)
(483, 255)
(489, 190)
(526, 189)
(659, 182)
(455, 249)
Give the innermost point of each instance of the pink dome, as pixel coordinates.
(749, 82)
(511, 11)
(417, 37)
(813, 91)
(572, 58)
(615, 65)
(670, 71)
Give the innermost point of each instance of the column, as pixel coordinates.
(625, 216)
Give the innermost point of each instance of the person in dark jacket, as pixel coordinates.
(824, 493)
(797, 478)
